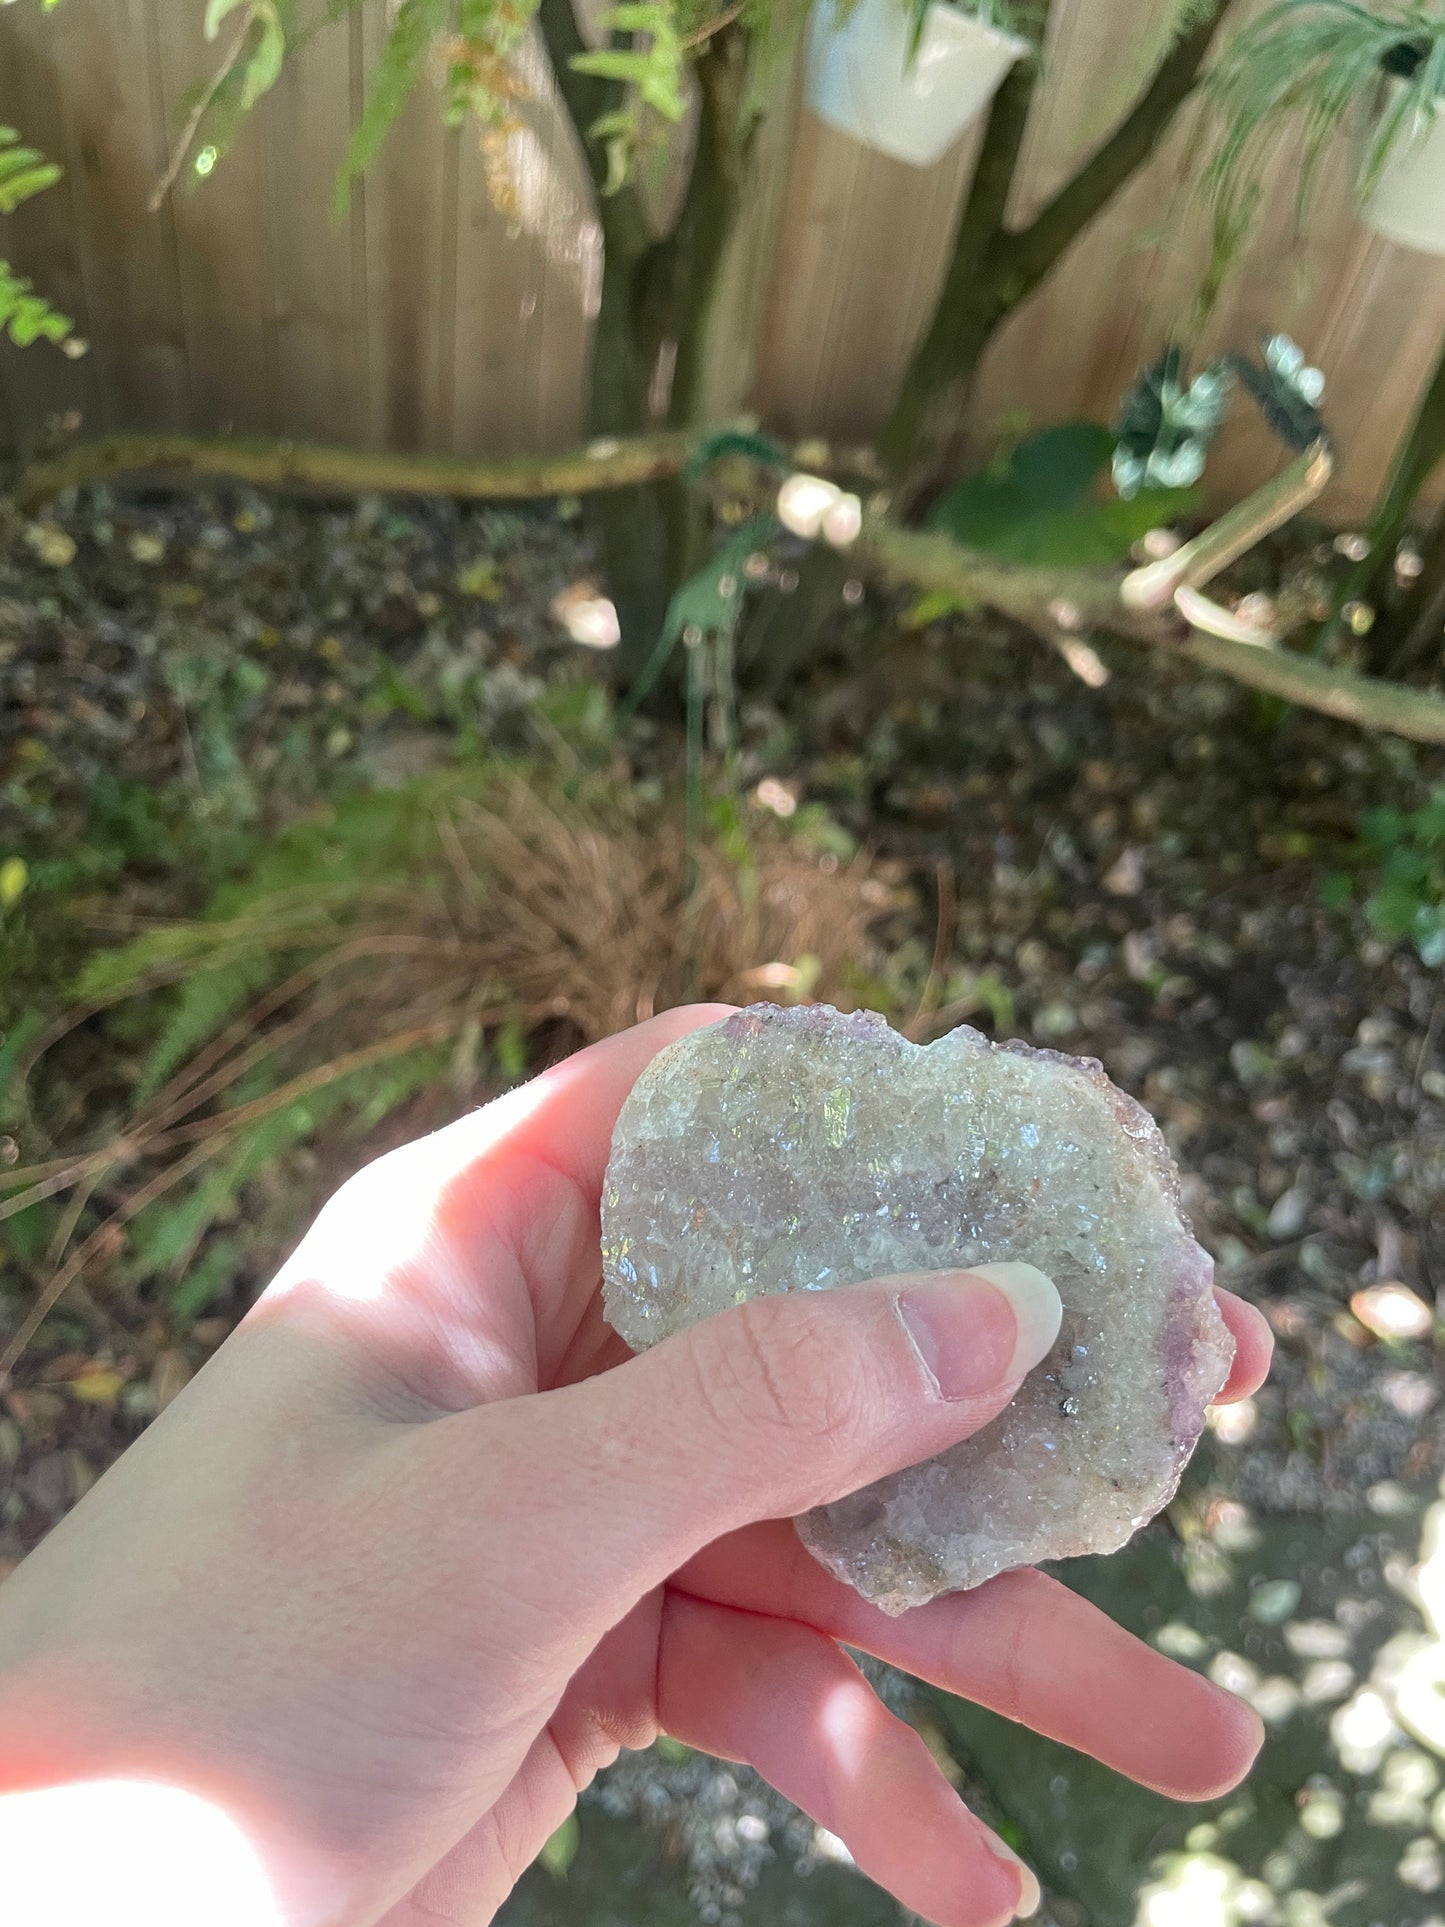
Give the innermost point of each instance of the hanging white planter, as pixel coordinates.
(1407, 202)
(865, 79)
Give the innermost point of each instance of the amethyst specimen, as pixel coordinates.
(795, 1150)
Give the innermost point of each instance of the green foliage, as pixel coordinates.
(1166, 424)
(23, 171)
(707, 606)
(416, 25)
(732, 443)
(1037, 505)
(1400, 859)
(1303, 71)
(650, 67)
(260, 69)
(26, 316)
(1168, 421)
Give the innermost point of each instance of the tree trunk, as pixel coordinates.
(994, 269)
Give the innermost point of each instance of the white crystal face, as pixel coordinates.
(798, 1150)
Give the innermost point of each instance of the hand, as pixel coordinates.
(340, 1638)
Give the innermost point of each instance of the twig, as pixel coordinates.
(942, 945)
(1241, 528)
(712, 27)
(199, 111)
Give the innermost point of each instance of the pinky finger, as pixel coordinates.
(786, 1700)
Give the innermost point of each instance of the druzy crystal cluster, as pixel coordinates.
(797, 1150)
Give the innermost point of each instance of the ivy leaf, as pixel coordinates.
(1287, 391)
(263, 69)
(1166, 424)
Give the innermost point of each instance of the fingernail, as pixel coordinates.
(1029, 1894)
(977, 1330)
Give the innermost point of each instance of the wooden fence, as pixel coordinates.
(424, 320)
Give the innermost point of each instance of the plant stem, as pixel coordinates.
(993, 269)
(1418, 621)
(606, 464)
(1419, 454)
(1091, 600)
(969, 305)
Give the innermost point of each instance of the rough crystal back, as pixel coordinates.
(798, 1150)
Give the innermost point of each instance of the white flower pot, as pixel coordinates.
(1407, 203)
(862, 80)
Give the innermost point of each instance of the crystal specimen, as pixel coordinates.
(795, 1150)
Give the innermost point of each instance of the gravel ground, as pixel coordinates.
(1131, 872)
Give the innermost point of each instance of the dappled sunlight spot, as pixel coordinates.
(1409, 1780)
(1392, 1310)
(1326, 1680)
(845, 1719)
(133, 1853)
(827, 1846)
(1363, 1731)
(1202, 1890)
(1273, 1696)
(1421, 1866)
(1317, 1639)
(1321, 1809)
(1233, 1423)
(1181, 1641)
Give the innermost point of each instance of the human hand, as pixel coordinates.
(421, 1548)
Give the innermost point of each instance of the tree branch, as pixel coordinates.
(1067, 601)
(1054, 602)
(967, 309)
(1027, 254)
(993, 269)
(607, 463)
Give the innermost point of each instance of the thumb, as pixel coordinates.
(769, 1408)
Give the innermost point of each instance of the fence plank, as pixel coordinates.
(409, 200)
(320, 333)
(425, 319)
(227, 273)
(41, 239)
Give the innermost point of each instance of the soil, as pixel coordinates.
(1132, 872)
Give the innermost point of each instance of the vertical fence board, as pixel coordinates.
(427, 319)
(227, 274)
(569, 244)
(41, 239)
(320, 336)
(408, 194)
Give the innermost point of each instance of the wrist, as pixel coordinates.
(109, 1816)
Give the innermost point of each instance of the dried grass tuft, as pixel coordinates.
(555, 912)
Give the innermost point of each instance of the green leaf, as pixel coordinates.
(416, 25)
(263, 69)
(216, 12)
(1037, 507)
(206, 1279)
(1057, 467)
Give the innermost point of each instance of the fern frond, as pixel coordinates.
(206, 1002)
(417, 24)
